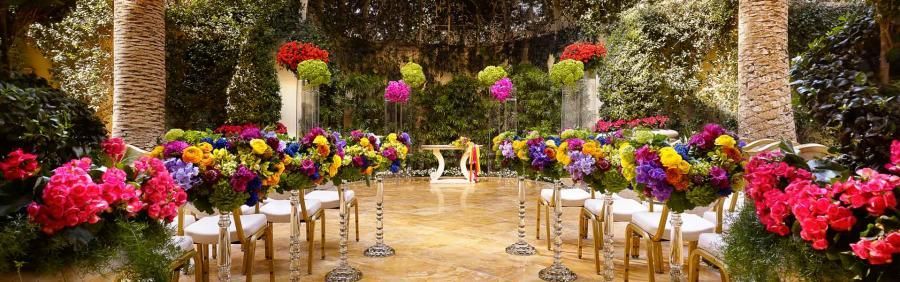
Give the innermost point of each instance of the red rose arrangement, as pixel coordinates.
(837, 217)
(587, 53)
(610, 126)
(292, 53)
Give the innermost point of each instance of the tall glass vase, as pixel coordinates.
(393, 117)
(557, 272)
(295, 236)
(308, 104)
(676, 259)
(380, 249)
(343, 272)
(608, 220)
(521, 247)
(224, 249)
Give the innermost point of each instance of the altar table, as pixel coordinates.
(463, 160)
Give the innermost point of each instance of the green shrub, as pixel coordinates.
(809, 20)
(253, 94)
(538, 105)
(48, 122)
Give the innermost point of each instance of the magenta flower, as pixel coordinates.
(502, 89)
(397, 92)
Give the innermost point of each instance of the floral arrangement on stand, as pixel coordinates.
(592, 159)
(846, 225)
(684, 176)
(315, 72)
(358, 156)
(88, 212)
(292, 53)
(588, 53)
(604, 126)
(394, 151)
(490, 75)
(397, 92)
(533, 155)
(413, 75)
(223, 171)
(567, 72)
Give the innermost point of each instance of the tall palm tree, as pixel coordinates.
(764, 96)
(139, 71)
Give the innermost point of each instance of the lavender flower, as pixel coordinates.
(507, 150)
(581, 165)
(186, 175)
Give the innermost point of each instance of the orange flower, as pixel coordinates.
(323, 150)
(676, 178)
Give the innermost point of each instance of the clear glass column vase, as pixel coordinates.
(295, 236)
(608, 220)
(380, 249)
(223, 257)
(308, 105)
(557, 272)
(676, 259)
(393, 117)
(521, 247)
(343, 272)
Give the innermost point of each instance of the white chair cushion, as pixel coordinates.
(571, 197)
(691, 227)
(184, 243)
(622, 208)
(711, 242)
(279, 211)
(245, 209)
(329, 198)
(206, 230)
(188, 220)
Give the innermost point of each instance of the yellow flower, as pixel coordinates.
(335, 165)
(671, 159)
(207, 160)
(275, 177)
(593, 148)
(392, 137)
(206, 147)
(364, 142)
(287, 159)
(726, 141)
(561, 155)
(626, 154)
(628, 172)
(403, 151)
(156, 152)
(259, 146)
(552, 144)
(519, 146)
(320, 140)
(192, 154)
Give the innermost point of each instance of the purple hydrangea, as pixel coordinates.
(241, 178)
(174, 148)
(250, 133)
(507, 150)
(405, 139)
(580, 166)
(186, 175)
(575, 144)
(539, 159)
(719, 177)
(653, 176)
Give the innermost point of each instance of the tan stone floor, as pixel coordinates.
(447, 233)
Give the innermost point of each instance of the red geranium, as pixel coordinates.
(584, 52)
(652, 122)
(292, 53)
(19, 165)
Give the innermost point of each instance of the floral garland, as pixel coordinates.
(292, 53)
(588, 53)
(845, 219)
(396, 92)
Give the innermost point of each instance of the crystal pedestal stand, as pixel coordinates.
(295, 236)
(379, 249)
(521, 247)
(557, 272)
(343, 272)
(224, 248)
(676, 260)
(608, 265)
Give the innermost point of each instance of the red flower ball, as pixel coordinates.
(584, 52)
(292, 53)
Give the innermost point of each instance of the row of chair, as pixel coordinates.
(648, 220)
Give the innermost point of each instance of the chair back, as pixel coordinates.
(719, 207)
(238, 226)
(179, 229)
(661, 226)
(811, 151)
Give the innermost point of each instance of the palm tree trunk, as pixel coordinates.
(139, 71)
(764, 96)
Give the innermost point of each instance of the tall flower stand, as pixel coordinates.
(557, 272)
(676, 259)
(343, 272)
(308, 107)
(224, 249)
(521, 247)
(608, 265)
(295, 236)
(380, 249)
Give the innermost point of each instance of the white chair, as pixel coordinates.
(279, 211)
(184, 243)
(653, 227)
(244, 229)
(572, 196)
(622, 210)
(731, 205)
(710, 247)
(330, 200)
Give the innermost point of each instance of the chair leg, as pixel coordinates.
(270, 252)
(251, 255)
(693, 265)
(580, 229)
(204, 269)
(628, 242)
(598, 242)
(537, 225)
(356, 217)
(658, 257)
(198, 261)
(213, 247)
(313, 232)
(547, 211)
(310, 239)
(636, 246)
(651, 259)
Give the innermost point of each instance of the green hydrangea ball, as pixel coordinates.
(567, 72)
(174, 134)
(490, 75)
(413, 75)
(315, 72)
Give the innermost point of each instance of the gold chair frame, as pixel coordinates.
(310, 222)
(654, 245)
(596, 221)
(248, 247)
(582, 223)
(182, 260)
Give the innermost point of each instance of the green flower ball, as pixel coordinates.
(491, 74)
(174, 134)
(567, 72)
(413, 75)
(315, 72)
